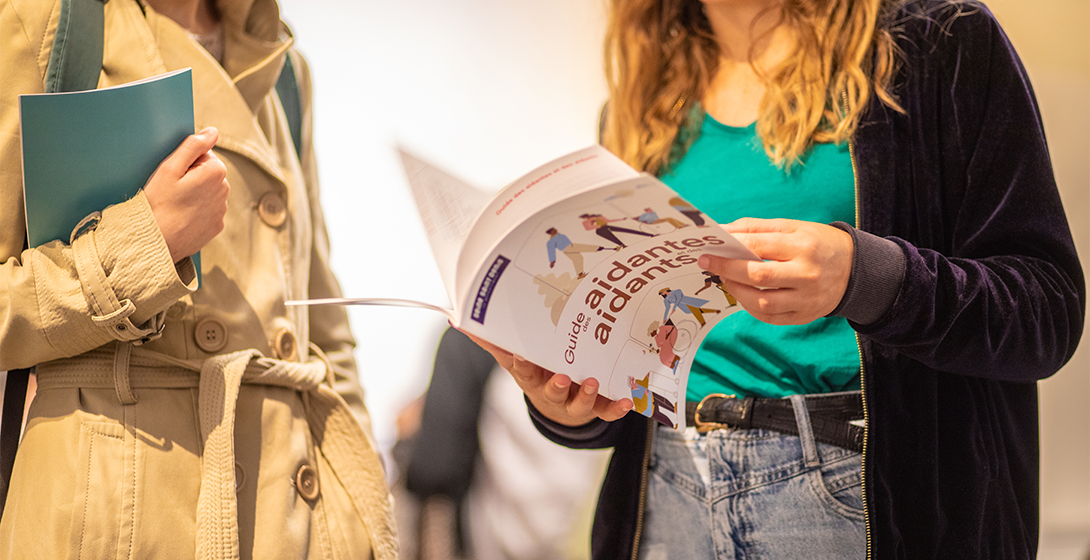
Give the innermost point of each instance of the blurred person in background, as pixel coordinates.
(481, 483)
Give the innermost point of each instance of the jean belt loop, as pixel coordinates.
(121, 373)
(806, 433)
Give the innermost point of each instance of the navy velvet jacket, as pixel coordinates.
(965, 291)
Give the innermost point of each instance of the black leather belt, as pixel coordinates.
(830, 416)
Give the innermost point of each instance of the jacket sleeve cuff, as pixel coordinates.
(878, 270)
(136, 262)
(565, 435)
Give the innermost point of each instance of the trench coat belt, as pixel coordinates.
(351, 454)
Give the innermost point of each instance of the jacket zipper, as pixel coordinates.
(866, 437)
(643, 488)
(862, 366)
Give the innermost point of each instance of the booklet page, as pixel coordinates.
(557, 180)
(448, 207)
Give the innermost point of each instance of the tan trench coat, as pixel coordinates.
(145, 451)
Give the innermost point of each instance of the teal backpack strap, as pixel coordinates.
(287, 87)
(76, 59)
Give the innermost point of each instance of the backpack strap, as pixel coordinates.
(74, 65)
(11, 426)
(76, 59)
(287, 88)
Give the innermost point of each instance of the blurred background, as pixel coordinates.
(488, 89)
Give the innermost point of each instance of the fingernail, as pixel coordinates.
(704, 261)
(588, 389)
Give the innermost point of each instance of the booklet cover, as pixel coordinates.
(583, 266)
(86, 150)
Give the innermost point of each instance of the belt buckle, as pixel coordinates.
(705, 427)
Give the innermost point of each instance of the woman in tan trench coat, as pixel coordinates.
(237, 429)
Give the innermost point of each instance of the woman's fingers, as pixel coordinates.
(554, 394)
(611, 410)
(192, 149)
(554, 388)
(188, 194)
(584, 398)
(803, 276)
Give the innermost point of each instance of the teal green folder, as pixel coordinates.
(86, 150)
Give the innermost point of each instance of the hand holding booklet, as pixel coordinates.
(86, 150)
(583, 266)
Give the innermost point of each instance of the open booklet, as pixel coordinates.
(583, 266)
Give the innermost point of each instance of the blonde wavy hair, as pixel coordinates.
(660, 56)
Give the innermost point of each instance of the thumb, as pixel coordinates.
(190, 150)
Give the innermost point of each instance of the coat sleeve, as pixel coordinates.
(991, 285)
(55, 301)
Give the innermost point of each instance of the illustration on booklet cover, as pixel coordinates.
(616, 283)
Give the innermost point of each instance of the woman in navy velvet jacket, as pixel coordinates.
(964, 290)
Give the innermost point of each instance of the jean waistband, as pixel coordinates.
(833, 418)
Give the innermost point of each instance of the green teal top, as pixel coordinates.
(727, 175)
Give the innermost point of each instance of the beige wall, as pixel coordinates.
(1053, 39)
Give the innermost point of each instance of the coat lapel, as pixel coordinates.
(230, 95)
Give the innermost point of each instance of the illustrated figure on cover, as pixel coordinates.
(559, 241)
(676, 299)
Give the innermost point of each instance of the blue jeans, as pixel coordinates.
(752, 494)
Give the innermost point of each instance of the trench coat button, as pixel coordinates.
(306, 482)
(211, 335)
(240, 477)
(284, 347)
(272, 209)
